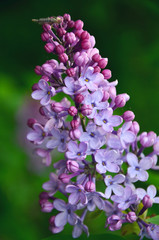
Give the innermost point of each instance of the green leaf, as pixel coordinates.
(130, 228)
(154, 220)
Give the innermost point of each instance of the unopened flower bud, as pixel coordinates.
(105, 96)
(57, 107)
(114, 222)
(128, 116)
(120, 101)
(75, 123)
(107, 73)
(59, 49)
(156, 147)
(46, 206)
(135, 128)
(90, 186)
(131, 217)
(31, 122)
(72, 166)
(38, 70)
(147, 139)
(35, 87)
(47, 69)
(63, 57)
(102, 63)
(49, 47)
(79, 24)
(43, 195)
(70, 72)
(79, 98)
(74, 134)
(72, 111)
(45, 36)
(65, 178)
(96, 57)
(41, 111)
(61, 32)
(66, 17)
(85, 44)
(147, 201)
(70, 37)
(97, 69)
(71, 24)
(78, 33)
(46, 27)
(86, 110)
(85, 35)
(112, 92)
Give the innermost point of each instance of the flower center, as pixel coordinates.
(78, 154)
(48, 92)
(103, 163)
(104, 120)
(87, 80)
(92, 134)
(137, 168)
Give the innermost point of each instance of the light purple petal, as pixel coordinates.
(132, 172)
(72, 219)
(71, 188)
(108, 192)
(118, 189)
(146, 163)
(60, 205)
(52, 144)
(115, 120)
(128, 137)
(151, 190)
(140, 193)
(38, 94)
(132, 159)
(45, 100)
(142, 175)
(119, 178)
(61, 219)
(77, 231)
(156, 200)
(43, 85)
(74, 198)
(73, 147)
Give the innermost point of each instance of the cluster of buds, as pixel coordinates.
(95, 142)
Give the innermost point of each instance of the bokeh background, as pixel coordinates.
(126, 32)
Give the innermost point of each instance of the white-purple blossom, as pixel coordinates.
(113, 185)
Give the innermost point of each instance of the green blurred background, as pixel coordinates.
(126, 32)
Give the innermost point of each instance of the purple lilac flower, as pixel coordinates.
(126, 136)
(38, 134)
(105, 161)
(90, 79)
(113, 185)
(153, 231)
(126, 199)
(93, 135)
(54, 119)
(45, 93)
(75, 151)
(137, 169)
(45, 154)
(67, 213)
(95, 200)
(77, 194)
(105, 119)
(59, 140)
(151, 191)
(79, 227)
(95, 100)
(71, 86)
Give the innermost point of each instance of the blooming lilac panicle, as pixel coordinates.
(96, 143)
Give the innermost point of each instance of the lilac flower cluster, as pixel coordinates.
(97, 144)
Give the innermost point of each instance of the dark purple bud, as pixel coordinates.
(71, 24)
(66, 17)
(61, 32)
(85, 44)
(49, 47)
(72, 166)
(85, 35)
(86, 110)
(74, 134)
(31, 122)
(75, 123)
(70, 37)
(46, 27)
(70, 72)
(135, 128)
(120, 101)
(102, 63)
(46, 206)
(147, 201)
(45, 78)
(43, 195)
(45, 36)
(96, 57)
(52, 221)
(41, 111)
(59, 49)
(114, 222)
(90, 186)
(63, 57)
(97, 69)
(79, 25)
(131, 217)
(37, 70)
(72, 111)
(57, 107)
(78, 33)
(105, 96)
(79, 98)
(128, 116)
(35, 87)
(107, 73)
